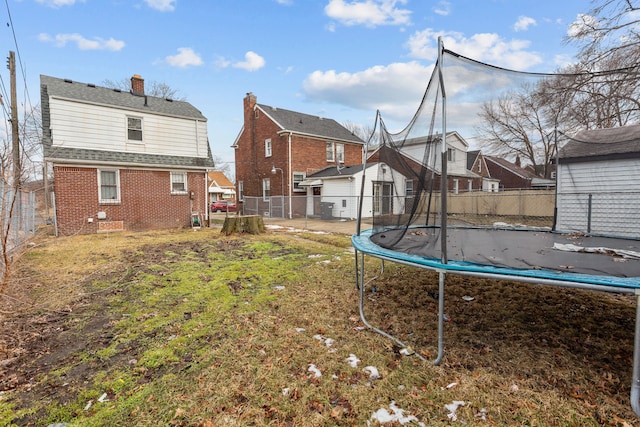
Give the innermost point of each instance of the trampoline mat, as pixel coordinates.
(519, 249)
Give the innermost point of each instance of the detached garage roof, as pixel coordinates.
(602, 144)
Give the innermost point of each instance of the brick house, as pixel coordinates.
(277, 148)
(514, 176)
(122, 160)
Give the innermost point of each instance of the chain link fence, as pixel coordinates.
(534, 207)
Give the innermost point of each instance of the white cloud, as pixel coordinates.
(161, 5)
(97, 43)
(485, 47)
(370, 13)
(252, 62)
(443, 8)
(57, 3)
(523, 23)
(186, 57)
(582, 23)
(285, 2)
(395, 88)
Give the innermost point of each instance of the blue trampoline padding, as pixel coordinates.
(364, 244)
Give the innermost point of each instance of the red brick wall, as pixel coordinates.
(308, 155)
(146, 201)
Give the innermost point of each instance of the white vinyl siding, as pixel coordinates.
(95, 127)
(615, 197)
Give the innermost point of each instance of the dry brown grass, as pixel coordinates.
(201, 329)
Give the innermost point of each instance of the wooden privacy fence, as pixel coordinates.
(524, 203)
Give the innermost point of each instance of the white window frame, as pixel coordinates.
(240, 191)
(268, 151)
(340, 153)
(266, 189)
(456, 186)
(330, 152)
(298, 177)
(451, 154)
(173, 175)
(408, 188)
(135, 129)
(117, 198)
(470, 185)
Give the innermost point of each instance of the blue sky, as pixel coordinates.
(342, 59)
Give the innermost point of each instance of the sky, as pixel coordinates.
(341, 59)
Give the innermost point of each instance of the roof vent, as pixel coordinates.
(117, 90)
(168, 99)
(68, 81)
(91, 85)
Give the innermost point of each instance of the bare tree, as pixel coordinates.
(521, 124)
(607, 29)
(153, 88)
(364, 132)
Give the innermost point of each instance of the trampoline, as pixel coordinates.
(414, 231)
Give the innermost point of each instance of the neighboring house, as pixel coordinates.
(276, 149)
(123, 160)
(599, 182)
(478, 165)
(341, 189)
(220, 187)
(513, 176)
(459, 178)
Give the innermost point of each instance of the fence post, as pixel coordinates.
(589, 214)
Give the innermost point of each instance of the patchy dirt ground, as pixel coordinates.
(577, 343)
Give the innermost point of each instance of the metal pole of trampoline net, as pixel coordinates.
(635, 383)
(443, 209)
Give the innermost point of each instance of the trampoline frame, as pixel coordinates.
(363, 246)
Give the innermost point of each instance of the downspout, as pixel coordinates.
(206, 196)
(289, 175)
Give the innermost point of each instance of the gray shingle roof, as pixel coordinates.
(309, 125)
(618, 142)
(68, 89)
(81, 92)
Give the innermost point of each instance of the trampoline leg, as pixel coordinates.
(441, 278)
(361, 286)
(635, 384)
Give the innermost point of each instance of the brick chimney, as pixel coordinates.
(137, 85)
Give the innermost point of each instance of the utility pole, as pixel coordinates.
(14, 122)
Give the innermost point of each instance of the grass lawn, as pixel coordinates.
(184, 328)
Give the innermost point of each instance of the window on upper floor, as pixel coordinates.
(178, 182)
(479, 166)
(330, 153)
(451, 154)
(340, 153)
(298, 177)
(266, 189)
(134, 128)
(109, 186)
(267, 147)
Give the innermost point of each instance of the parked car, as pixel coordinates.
(223, 206)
